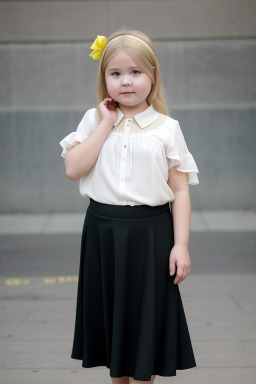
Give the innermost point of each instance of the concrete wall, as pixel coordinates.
(207, 53)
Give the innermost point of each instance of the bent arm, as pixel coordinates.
(180, 206)
(80, 159)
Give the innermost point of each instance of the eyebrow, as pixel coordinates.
(113, 69)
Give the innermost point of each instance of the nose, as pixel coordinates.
(126, 80)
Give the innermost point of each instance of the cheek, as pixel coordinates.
(143, 86)
(111, 85)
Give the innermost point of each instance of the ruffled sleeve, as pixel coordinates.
(83, 130)
(178, 154)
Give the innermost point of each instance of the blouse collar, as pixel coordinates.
(143, 119)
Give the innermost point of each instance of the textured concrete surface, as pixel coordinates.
(215, 74)
(207, 54)
(48, 21)
(46, 88)
(37, 324)
(38, 108)
(58, 254)
(38, 287)
(33, 172)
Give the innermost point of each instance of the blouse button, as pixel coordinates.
(124, 146)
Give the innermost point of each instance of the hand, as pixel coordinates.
(107, 109)
(179, 255)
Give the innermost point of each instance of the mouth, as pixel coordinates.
(127, 93)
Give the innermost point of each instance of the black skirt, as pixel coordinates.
(129, 313)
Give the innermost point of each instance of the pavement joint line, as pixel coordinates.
(71, 223)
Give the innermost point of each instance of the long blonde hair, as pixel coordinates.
(143, 55)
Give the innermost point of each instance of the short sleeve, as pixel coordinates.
(178, 154)
(83, 130)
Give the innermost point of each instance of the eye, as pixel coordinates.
(135, 70)
(114, 73)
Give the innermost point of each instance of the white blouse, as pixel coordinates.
(132, 166)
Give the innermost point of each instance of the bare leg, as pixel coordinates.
(132, 381)
(120, 380)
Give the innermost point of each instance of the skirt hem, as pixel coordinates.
(136, 377)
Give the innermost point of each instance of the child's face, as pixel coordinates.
(123, 78)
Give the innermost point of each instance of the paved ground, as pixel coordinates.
(39, 256)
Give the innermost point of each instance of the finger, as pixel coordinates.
(185, 274)
(182, 278)
(176, 280)
(172, 266)
(179, 275)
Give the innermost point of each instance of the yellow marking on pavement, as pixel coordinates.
(67, 279)
(13, 282)
(46, 280)
(72, 279)
(49, 280)
(16, 282)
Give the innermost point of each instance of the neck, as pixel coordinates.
(132, 111)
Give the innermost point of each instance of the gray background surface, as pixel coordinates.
(207, 54)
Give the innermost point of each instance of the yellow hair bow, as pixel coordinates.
(98, 46)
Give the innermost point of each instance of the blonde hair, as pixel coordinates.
(141, 49)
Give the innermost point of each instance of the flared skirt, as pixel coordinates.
(129, 313)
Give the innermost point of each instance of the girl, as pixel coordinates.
(132, 161)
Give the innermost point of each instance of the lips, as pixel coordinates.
(126, 93)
